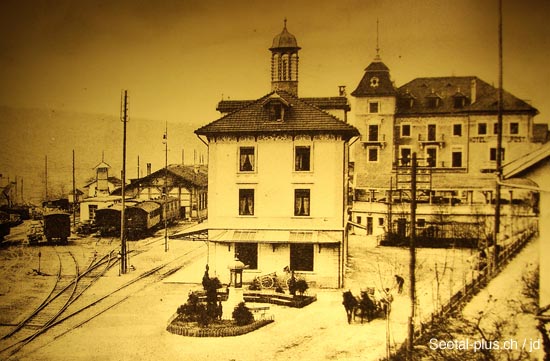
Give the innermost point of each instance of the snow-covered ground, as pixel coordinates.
(136, 329)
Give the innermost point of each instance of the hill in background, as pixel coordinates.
(28, 136)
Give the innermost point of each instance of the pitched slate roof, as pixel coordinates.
(324, 103)
(447, 89)
(382, 86)
(300, 117)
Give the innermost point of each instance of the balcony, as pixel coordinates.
(378, 141)
(431, 139)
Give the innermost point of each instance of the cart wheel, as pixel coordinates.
(266, 282)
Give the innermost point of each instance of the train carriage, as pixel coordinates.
(142, 218)
(107, 220)
(57, 227)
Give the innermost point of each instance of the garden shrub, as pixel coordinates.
(242, 315)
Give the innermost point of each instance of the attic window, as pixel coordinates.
(275, 107)
(433, 102)
(276, 112)
(459, 101)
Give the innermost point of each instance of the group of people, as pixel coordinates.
(386, 297)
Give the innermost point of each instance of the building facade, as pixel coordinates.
(278, 179)
(451, 125)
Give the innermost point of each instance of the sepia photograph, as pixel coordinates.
(274, 180)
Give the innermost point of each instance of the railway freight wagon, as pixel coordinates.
(57, 227)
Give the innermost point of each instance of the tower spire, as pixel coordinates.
(377, 57)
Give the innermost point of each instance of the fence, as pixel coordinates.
(511, 248)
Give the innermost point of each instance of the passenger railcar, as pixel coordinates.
(107, 220)
(57, 227)
(142, 218)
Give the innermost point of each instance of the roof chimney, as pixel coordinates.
(473, 88)
(148, 168)
(342, 90)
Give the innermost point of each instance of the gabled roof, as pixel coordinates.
(324, 103)
(519, 165)
(113, 180)
(184, 174)
(300, 117)
(484, 98)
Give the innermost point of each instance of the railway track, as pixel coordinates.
(95, 307)
(69, 286)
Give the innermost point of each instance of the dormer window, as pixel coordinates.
(276, 107)
(276, 112)
(433, 100)
(459, 99)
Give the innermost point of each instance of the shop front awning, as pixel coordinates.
(275, 236)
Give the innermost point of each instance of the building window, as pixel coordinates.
(431, 157)
(482, 129)
(432, 132)
(247, 253)
(457, 130)
(246, 159)
(276, 111)
(301, 256)
(358, 219)
(369, 226)
(456, 158)
(406, 156)
(459, 101)
(380, 222)
(92, 209)
(373, 133)
(493, 154)
(246, 202)
(495, 128)
(374, 107)
(421, 223)
(372, 154)
(302, 158)
(405, 130)
(301, 202)
(514, 128)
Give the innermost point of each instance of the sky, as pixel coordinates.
(178, 59)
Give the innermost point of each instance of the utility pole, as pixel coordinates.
(499, 142)
(123, 253)
(74, 197)
(46, 176)
(165, 141)
(412, 264)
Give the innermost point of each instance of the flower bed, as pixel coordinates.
(222, 328)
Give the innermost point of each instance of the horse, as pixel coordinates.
(366, 307)
(350, 304)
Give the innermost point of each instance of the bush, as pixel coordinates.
(194, 311)
(242, 315)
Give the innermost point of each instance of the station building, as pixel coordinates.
(278, 179)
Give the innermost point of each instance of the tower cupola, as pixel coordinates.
(284, 62)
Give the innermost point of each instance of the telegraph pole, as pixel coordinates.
(46, 176)
(74, 197)
(123, 253)
(499, 141)
(412, 264)
(165, 141)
